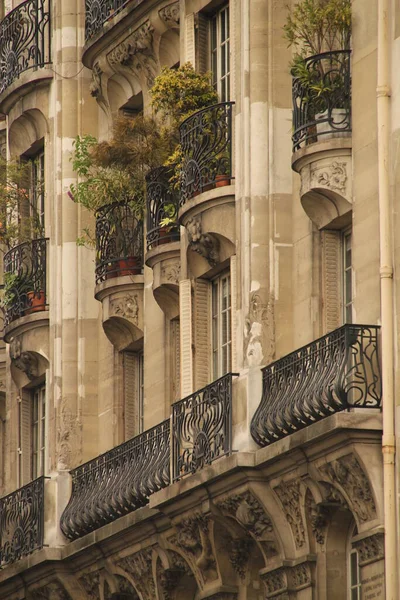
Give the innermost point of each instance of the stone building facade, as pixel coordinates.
(212, 426)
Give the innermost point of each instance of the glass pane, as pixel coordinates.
(353, 569)
(35, 435)
(223, 26)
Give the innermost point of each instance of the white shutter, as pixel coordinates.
(185, 301)
(175, 359)
(202, 346)
(233, 313)
(190, 39)
(331, 280)
(202, 43)
(25, 438)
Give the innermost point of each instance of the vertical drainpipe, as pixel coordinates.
(387, 308)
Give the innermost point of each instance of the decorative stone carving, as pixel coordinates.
(125, 306)
(348, 473)
(318, 517)
(171, 273)
(299, 576)
(333, 176)
(69, 441)
(51, 591)
(281, 581)
(288, 493)
(204, 244)
(259, 331)
(170, 14)
(91, 584)
(95, 86)
(136, 51)
(169, 578)
(370, 549)
(274, 582)
(139, 566)
(26, 362)
(239, 554)
(125, 587)
(193, 537)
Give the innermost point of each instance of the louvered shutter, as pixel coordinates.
(25, 438)
(175, 359)
(185, 301)
(233, 313)
(202, 333)
(331, 279)
(202, 43)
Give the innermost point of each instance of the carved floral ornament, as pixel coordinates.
(289, 496)
(370, 549)
(51, 591)
(126, 306)
(140, 567)
(69, 432)
(170, 14)
(287, 579)
(171, 273)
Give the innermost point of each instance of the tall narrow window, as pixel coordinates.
(347, 278)
(355, 578)
(220, 48)
(133, 393)
(38, 430)
(37, 190)
(221, 325)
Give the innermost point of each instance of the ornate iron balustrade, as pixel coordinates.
(202, 427)
(119, 242)
(25, 269)
(99, 11)
(118, 481)
(338, 371)
(206, 141)
(24, 40)
(22, 522)
(162, 203)
(317, 115)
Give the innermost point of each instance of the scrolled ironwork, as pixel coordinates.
(336, 372)
(162, 203)
(322, 100)
(206, 142)
(118, 481)
(119, 241)
(25, 267)
(24, 40)
(202, 427)
(22, 522)
(99, 11)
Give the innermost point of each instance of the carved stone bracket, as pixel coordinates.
(284, 580)
(51, 591)
(347, 472)
(170, 14)
(169, 578)
(249, 513)
(318, 517)
(289, 496)
(26, 362)
(205, 244)
(139, 567)
(91, 584)
(370, 549)
(332, 176)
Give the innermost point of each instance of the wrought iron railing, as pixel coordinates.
(162, 205)
(99, 11)
(24, 40)
(322, 99)
(22, 522)
(206, 141)
(202, 427)
(119, 241)
(118, 481)
(336, 372)
(25, 279)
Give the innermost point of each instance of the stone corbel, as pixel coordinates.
(170, 15)
(26, 362)
(205, 244)
(286, 580)
(139, 567)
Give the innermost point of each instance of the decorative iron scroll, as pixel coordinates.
(162, 203)
(22, 522)
(99, 11)
(202, 427)
(119, 242)
(206, 141)
(336, 372)
(326, 112)
(24, 40)
(25, 265)
(118, 481)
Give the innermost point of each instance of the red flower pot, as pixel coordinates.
(37, 302)
(124, 266)
(222, 180)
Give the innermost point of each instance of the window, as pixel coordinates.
(220, 59)
(133, 366)
(38, 420)
(355, 578)
(221, 325)
(347, 277)
(37, 189)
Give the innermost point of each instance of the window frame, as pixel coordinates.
(219, 342)
(347, 275)
(220, 60)
(38, 425)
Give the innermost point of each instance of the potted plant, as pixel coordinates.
(319, 31)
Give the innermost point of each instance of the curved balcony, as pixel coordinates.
(162, 204)
(336, 372)
(25, 277)
(206, 141)
(118, 481)
(322, 100)
(24, 40)
(22, 522)
(119, 242)
(99, 12)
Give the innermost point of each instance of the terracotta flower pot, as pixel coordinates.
(124, 266)
(222, 180)
(37, 302)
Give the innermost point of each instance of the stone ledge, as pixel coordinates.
(26, 323)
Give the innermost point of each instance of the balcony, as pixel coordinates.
(162, 204)
(22, 522)
(122, 479)
(25, 275)
(119, 242)
(24, 41)
(326, 113)
(339, 371)
(99, 12)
